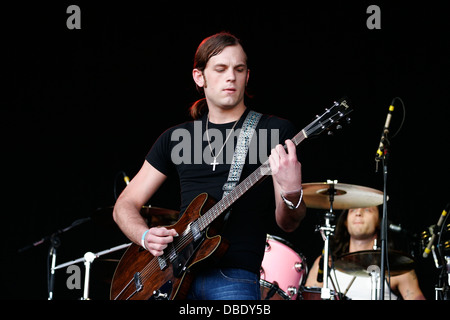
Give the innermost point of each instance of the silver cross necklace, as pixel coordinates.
(214, 163)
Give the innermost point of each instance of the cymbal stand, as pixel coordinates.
(374, 272)
(88, 258)
(442, 289)
(326, 231)
(55, 243)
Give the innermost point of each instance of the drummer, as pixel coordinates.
(357, 230)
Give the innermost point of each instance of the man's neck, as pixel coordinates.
(221, 115)
(361, 244)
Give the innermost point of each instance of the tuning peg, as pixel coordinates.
(348, 120)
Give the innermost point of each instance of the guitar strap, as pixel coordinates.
(240, 153)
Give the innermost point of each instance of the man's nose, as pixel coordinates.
(231, 75)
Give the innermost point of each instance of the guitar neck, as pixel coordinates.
(257, 176)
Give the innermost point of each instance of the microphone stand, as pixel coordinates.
(383, 233)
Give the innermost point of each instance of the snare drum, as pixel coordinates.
(283, 270)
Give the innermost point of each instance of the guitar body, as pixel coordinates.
(142, 276)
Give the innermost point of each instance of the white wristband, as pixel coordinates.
(143, 239)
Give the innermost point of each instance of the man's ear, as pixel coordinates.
(198, 78)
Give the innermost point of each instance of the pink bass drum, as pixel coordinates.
(283, 270)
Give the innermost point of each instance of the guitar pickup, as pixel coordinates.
(162, 262)
(137, 281)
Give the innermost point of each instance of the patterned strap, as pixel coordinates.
(240, 152)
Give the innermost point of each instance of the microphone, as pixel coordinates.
(385, 131)
(125, 178)
(427, 250)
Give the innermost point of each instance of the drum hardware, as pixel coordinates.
(439, 233)
(447, 259)
(316, 196)
(314, 293)
(374, 273)
(103, 216)
(55, 242)
(349, 285)
(88, 259)
(333, 195)
(326, 231)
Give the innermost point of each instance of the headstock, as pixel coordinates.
(331, 119)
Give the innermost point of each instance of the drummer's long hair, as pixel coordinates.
(341, 240)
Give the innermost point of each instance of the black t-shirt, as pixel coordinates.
(184, 150)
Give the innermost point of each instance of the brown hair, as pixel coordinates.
(341, 240)
(208, 48)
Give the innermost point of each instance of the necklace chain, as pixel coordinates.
(214, 163)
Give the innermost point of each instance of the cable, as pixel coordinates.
(403, 118)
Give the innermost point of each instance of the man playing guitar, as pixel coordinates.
(221, 73)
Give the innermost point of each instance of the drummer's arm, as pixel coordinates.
(408, 286)
(311, 281)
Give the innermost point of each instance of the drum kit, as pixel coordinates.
(284, 270)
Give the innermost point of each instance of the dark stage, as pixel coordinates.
(81, 106)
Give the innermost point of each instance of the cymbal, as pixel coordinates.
(356, 263)
(156, 216)
(346, 196)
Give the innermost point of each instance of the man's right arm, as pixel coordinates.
(137, 193)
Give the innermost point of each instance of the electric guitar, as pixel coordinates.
(141, 276)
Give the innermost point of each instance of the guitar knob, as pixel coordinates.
(158, 295)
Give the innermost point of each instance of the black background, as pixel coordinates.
(80, 106)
